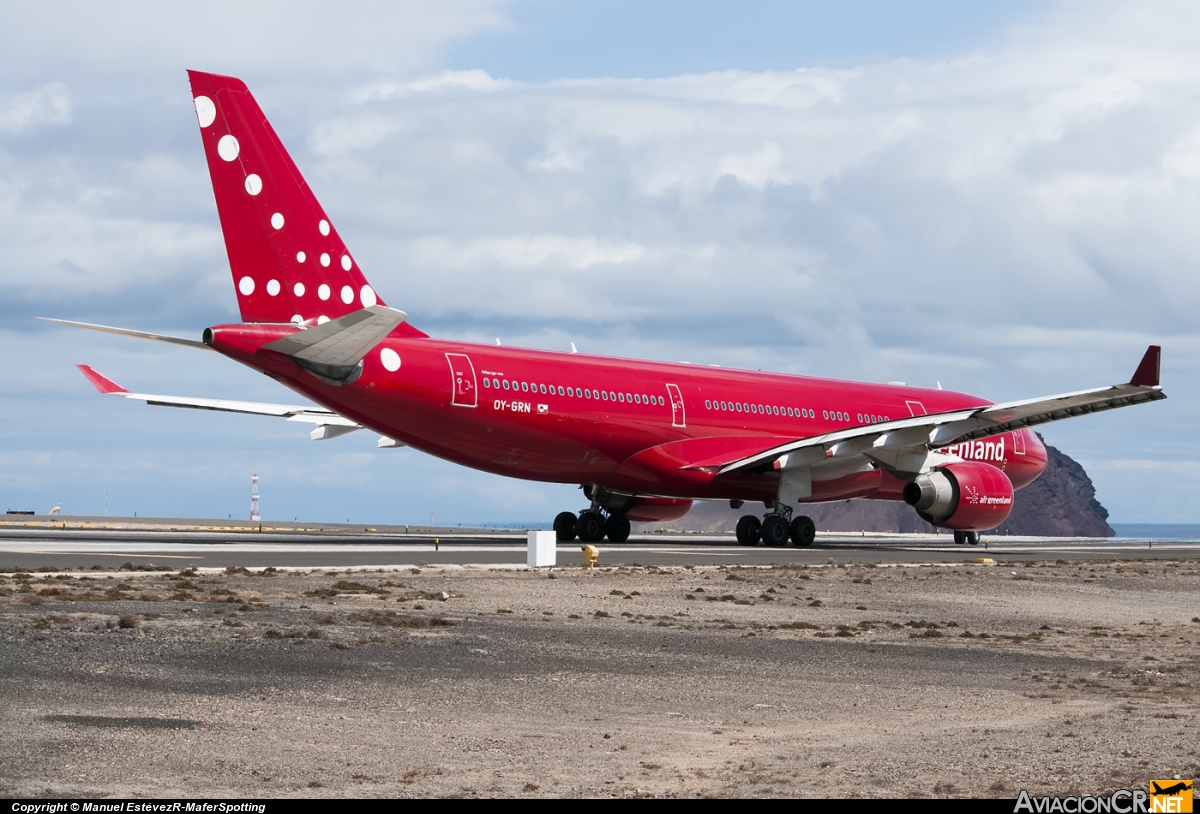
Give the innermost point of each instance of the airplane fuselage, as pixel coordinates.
(618, 423)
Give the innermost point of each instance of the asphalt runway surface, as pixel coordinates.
(33, 547)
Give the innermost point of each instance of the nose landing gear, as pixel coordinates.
(966, 537)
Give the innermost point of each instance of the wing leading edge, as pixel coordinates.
(905, 445)
(329, 424)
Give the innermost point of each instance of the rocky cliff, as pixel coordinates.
(1060, 503)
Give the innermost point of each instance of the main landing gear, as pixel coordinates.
(591, 526)
(966, 537)
(775, 530)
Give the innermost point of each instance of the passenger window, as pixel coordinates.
(506, 384)
(524, 386)
(487, 382)
(604, 395)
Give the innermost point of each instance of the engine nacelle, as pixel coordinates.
(969, 496)
(657, 509)
(640, 509)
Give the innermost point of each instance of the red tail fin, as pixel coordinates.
(288, 262)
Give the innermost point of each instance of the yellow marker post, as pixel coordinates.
(590, 555)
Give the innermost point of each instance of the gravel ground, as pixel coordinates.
(851, 681)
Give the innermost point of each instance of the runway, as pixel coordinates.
(32, 547)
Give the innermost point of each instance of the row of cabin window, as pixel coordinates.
(802, 412)
(587, 393)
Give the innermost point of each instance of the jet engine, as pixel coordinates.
(969, 496)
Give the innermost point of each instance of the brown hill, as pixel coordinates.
(1060, 503)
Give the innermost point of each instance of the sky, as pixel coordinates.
(999, 197)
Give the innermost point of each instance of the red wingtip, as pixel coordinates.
(102, 383)
(1146, 374)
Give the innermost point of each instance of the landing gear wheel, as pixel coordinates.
(590, 527)
(972, 538)
(960, 538)
(748, 530)
(564, 526)
(804, 531)
(617, 528)
(774, 530)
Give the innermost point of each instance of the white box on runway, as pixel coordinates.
(541, 548)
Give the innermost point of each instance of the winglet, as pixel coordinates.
(1146, 374)
(102, 383)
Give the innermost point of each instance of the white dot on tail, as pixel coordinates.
(347, 294)
(321, 320)
(390, 359)
(253, 184)
(246, 286)
(323, 292)
(273, 287)
(297, 319)
(206, 111)
(277, 220)
(228, 148)
(300, 257)
(324, 260)
(367, 295)
(346, 264)
(298, 289)
(324, 227)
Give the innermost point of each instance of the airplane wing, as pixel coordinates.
(904, 445)
(329, 424)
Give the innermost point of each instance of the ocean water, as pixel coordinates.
(1158, 531)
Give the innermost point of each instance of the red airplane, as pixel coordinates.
(644, 439)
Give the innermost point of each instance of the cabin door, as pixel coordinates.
(678, 419)
(462, 375)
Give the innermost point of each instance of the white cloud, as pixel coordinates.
(22, 112)
(319, 41)
(1012, 221)
(473, 80)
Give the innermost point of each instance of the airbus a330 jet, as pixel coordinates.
(644, 439)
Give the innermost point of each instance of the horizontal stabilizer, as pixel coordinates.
(174, 340)
(341, 343)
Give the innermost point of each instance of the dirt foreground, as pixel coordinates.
(854, 681)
